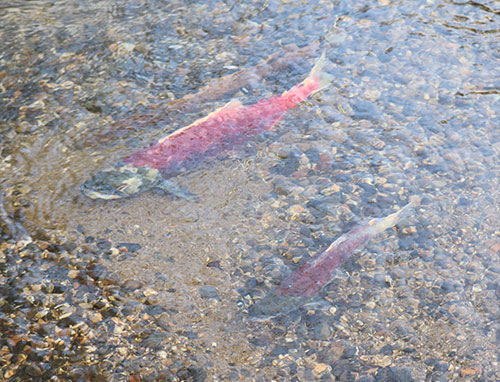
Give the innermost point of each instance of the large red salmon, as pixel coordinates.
(208, 137)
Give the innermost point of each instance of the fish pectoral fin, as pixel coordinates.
(174, 189)
(318, 304)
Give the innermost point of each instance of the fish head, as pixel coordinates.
(274, 305)
(121, 181)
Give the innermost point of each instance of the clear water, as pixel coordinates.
(413, 110)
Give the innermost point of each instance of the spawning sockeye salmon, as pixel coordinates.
(296, 289)
(208, 137)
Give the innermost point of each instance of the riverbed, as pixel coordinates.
(413, 110)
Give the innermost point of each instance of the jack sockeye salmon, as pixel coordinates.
(298, 288)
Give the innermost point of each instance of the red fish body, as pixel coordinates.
(220, 130)
(316, 272)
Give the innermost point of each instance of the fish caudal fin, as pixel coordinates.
(318, 79)
(318, 72)
(379, 225)
(172, 188)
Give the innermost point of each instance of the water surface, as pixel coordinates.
(414, 110)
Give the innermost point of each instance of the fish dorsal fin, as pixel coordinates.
(231, 105)
(234, 103)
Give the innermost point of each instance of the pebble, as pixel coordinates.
(322, 331)
(387, 349)
(371, 305)
(468, 371)
(33, 370)
(395, 96)
(283, 152)
(52, 316)
(366, 378)
(350, 352)
(393, 374)
(380, 278)
(103, 245)
(128, 247)
(296, 209)
(402, 329)
(338, 136)
(288, 165)
(331, 190)
(279, 350)
(149, 292)
(73, 273)
(209, 292)
(381, 361)
(320, 368)
(282, 187)
(365, 110)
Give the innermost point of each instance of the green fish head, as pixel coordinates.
(274, 305)
(121, 181)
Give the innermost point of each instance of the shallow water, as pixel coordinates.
(413, 110)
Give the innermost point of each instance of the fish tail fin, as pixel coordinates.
(318, 79)
(379, 225)
(318, 72)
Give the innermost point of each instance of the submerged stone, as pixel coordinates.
(209, 292)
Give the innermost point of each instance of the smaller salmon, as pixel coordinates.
(298, 287)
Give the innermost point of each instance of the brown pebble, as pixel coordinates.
(95, 317)
(336, 350)
(320, 368)
(466, 371)
(43, 245)
(73, 273)
(9, 373)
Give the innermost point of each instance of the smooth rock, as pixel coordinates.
(209, 292)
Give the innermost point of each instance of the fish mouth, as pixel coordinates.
(92, 194)
(120, 182)
(89, 190)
